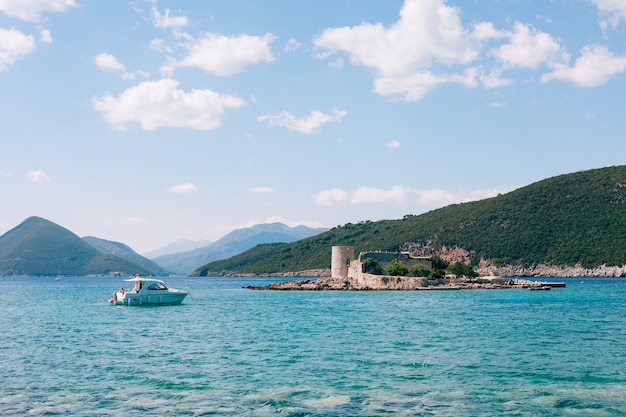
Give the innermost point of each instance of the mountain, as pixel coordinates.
(567, 220)
(125, 252)
(40, 247)
(233, 243)
(181, 245)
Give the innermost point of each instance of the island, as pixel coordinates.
(347, 275)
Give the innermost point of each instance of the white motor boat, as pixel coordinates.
(148, 291)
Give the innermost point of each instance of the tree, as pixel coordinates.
(397, 268)
(439, 263)
(462, 269)
(371, 266)
(419, 270)
(497, 262)
(439, 267)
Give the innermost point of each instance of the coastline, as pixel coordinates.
(535, 271)
(551, 271)
(368, 282)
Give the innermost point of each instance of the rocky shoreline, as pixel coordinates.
(535, 271)
(602, 271)
(368, 282)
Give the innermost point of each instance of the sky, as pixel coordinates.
(149, 121)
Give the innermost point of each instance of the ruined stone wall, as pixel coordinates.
(385, 258)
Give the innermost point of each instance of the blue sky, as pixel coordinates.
(145, 122)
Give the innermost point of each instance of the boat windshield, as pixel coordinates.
(156, 286)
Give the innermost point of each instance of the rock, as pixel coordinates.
(368, 282)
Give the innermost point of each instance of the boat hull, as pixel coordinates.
(148, 292)
(165, 298)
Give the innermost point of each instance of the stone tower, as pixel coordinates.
(341, 256)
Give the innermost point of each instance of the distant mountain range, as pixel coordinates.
(123, 251)
(42, 248)
(234, 243)
(181, 245)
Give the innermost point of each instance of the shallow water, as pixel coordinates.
(235, 352)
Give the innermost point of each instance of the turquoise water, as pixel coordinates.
(235, 352)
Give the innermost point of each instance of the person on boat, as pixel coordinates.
(121, 290)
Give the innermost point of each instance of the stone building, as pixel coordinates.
(343, 263)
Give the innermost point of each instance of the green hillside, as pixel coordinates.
(40, 247)
(577, 218)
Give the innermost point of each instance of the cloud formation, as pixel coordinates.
(31, 10)
(595, 67)
(402, 195)
(108, 62)
(429, 46)
(156, 104)
(13, 46)
(183, 188)
(262, 190)
(222, 55)
(165, 21)
(307, 125)
(135, 220)
(37, 176)
(528, 48)
(612, 12)
(393, 144)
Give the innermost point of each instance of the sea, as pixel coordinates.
(231, 351)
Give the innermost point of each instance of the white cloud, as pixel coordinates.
(494, 79)
(135, 220)
(403, 195)
(337, 63)
(428, 33)
(109, 62)
(307, 125)
(160, 46)
(165, 21)
(428, 46)
(612, 12)
(183, 188)
(37, 176)
(368, 195)
(44, 36)
(333, 197)
(595, 67)
(31, 10)
(155, 104)
(224, 55)
(292, 45)
(393, 144)
(529, 48)
(262, 190)
(13, 46)
(135, 74)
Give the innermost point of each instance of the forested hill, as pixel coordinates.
(572, 219)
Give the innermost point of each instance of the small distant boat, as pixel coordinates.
(148, 291)
(542, 288)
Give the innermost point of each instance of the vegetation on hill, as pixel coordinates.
(125, 252)
(572, 219)
(40, 247)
